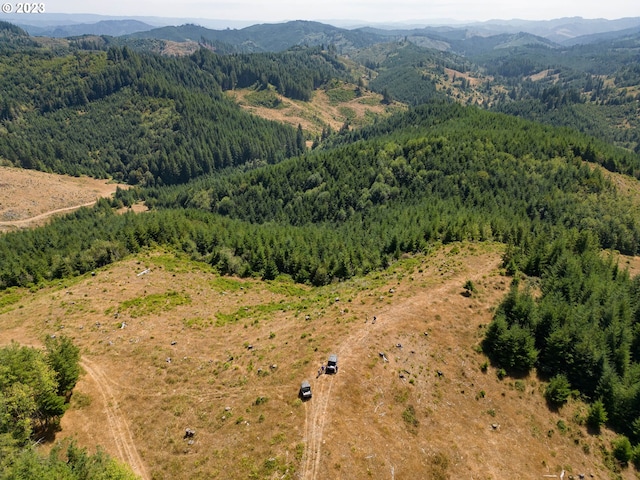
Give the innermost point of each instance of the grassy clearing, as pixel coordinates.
(258, 312)
(340, 95)
(176, 262)
(267, 98)
(9, 298)
(226, 284)
(154, 303)
(332, 107)
(285, 286)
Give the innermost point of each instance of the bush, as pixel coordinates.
(511, 347)
(469, 288)
(409, 416)
(622, 450)
(597, 415)
(558, 391)
(561, 426)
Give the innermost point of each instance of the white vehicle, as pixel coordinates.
(332, 364)
(305, 390)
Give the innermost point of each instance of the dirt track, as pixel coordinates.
(27, 222)
(28, 198)
(352, 351)
(118, 427)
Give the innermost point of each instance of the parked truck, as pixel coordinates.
(332, 364)
(305, 390)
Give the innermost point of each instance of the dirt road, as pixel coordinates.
(28, 197)
(27, 222)
(118, 426)
(390, 320)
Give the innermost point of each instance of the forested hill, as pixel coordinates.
(144, 118)
(245, 196)
(450, 173)
(591, 88)
(12, 37)
(269, 37)
(438, 172)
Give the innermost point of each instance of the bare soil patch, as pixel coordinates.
(473, 81)
(320, 111)
(180, 347)
(28, 197)
(540, 75)
(179, 49)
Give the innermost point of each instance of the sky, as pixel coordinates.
(373, 11)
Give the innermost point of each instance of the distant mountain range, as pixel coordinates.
(280, 36)
(561, 30)
(113, 28)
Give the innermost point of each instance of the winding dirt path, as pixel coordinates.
(25, 222)
(118, 427)
(350, 351)
(28, 198)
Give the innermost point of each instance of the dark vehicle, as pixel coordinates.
(332, 364)
(305, 390)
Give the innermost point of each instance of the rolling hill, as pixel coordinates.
(269, 37)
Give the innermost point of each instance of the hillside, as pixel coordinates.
(468, 267)
(29, 198)
(334, 106)
(268, 37)
(133, 117)
(112, 28)
(181, 347)
(149, 99)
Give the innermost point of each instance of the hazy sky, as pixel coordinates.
(366, 10)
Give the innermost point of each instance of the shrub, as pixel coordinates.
(622, 450)
(597, 415)
(558, 391)
(409, 416)
(561, 426)
(469, 288)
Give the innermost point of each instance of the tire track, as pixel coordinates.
(314, 427)
(317, 411)
(27, 221)
(118, 426)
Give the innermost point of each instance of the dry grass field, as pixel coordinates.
(326, 108)
(180, 347)
(28, 197)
